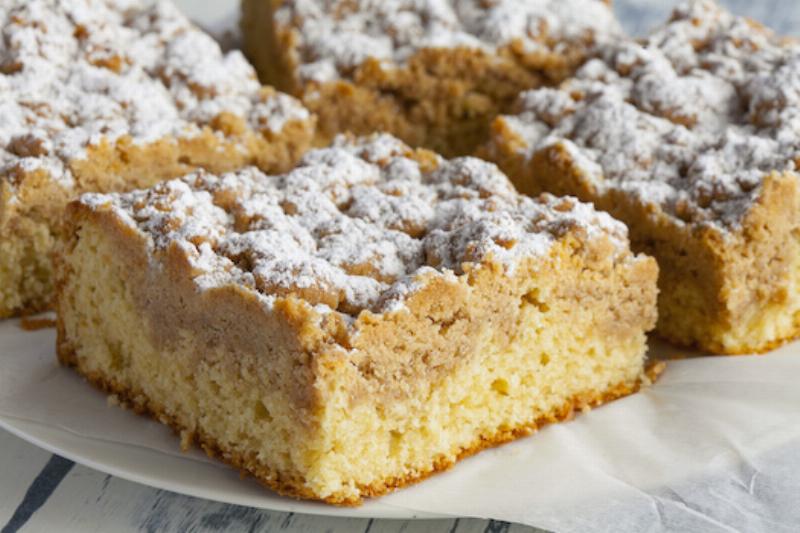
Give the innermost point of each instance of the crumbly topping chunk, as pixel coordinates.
(337, 35)
(353, 226)
(690, 120)
(73, 72)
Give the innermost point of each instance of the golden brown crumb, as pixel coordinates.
(35, 324)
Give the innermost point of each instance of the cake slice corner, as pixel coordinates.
(358, 323)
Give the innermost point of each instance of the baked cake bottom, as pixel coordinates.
(130, 397)
(569, 353)
(759, 328)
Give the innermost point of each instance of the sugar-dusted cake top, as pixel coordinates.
(690, 120)
(73, 72)
(336, 35)
(354, 225)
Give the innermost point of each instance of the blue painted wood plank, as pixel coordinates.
(38, 493)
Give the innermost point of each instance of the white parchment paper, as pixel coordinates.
(713, 446)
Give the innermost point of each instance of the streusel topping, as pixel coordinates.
(689, 120)
(353, 226)
(337, 35)
(73, 72)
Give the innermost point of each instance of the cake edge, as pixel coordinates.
(130, 398)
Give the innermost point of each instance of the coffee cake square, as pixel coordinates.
(433, 73)
(109, 95)
(692, 138)
(358, 323)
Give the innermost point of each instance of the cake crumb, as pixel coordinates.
(36, 324)
(187, 438)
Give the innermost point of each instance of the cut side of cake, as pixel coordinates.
(358, 323)
(111, 95)
(692, 138)
(434, 73)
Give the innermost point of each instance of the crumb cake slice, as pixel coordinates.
(432, 72)
(109, 95)
(692, 138)
(358, 323)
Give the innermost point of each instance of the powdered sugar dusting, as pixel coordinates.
(74, 72)
(337, 35)
(356, 226)
(690, 120)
